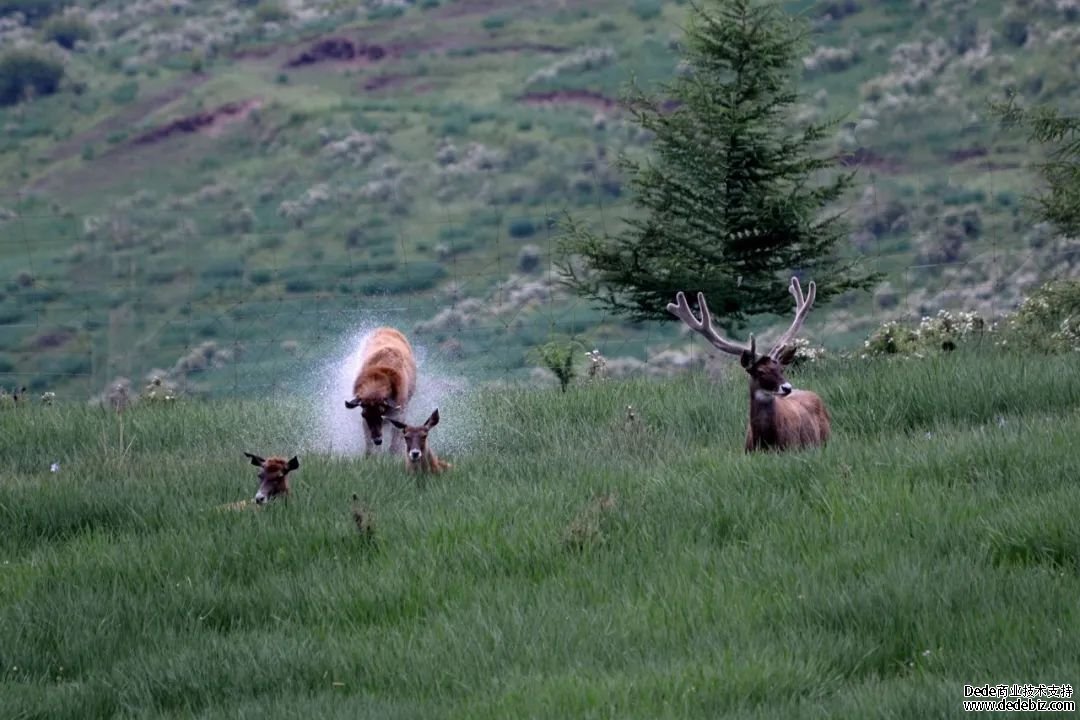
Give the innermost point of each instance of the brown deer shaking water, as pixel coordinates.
(385, 384)
(781, 418)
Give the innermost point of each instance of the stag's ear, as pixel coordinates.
(351, 404)
(787, 355)
(396, 423)
(255, 459)
(746, 359)
(294, 463)
(433, 420)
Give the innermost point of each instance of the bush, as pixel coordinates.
(415, 277)
(1047, 321)
(1015, 30)
(385, 12)
(268, 11)
(67, 30)
(522, 228)
(529, 259)
(24, 70)
(260, 277)
(494, 22)
(125, 92)
(223, 269)
(300, 285)
(34, 10)
(891, 338)
(647, 9)
(559, 359)
(943, 332)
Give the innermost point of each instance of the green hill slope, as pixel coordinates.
(238, 185)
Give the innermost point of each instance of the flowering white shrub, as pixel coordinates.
(891, 338)
(303, 207)
(357, 148)
(807, 353)
(597, 369)
(946, 329)
(1047, 320)
(581, 61)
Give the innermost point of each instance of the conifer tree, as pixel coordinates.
(734, 198)
(1059, 201)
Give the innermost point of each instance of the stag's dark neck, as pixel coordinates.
(763, 417)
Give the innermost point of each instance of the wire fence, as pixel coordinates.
(212, 296)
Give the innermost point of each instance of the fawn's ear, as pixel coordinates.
(787, 355)
(396, 423)
(351, 404)
(433, 420)
(294, 463)
(255, 459)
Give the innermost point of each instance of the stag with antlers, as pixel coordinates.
(781, 417)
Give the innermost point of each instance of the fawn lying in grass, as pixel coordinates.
(273, 476)
(418, 455)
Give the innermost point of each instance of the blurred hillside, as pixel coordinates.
(222, 190)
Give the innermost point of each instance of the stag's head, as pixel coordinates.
(273, 476)
(416, 436)
(766, 371)
(374, 410)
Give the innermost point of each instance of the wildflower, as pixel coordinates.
(55, 467)
(597, 365)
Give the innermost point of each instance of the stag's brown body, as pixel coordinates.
(781, 418)
(797, 420)
(385, 383)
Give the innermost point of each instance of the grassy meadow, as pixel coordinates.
(571, 564)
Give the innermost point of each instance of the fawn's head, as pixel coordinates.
(416, 436)
(273, 476)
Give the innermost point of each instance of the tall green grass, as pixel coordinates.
(933, 543)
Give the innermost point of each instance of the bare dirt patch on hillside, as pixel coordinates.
(128, 117)
(866, 158)
(379, 83)
(339, 50)
(588, 98)
(350, 52)
(210, 122)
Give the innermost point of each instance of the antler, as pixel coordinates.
(802, 308)
(681, 309)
